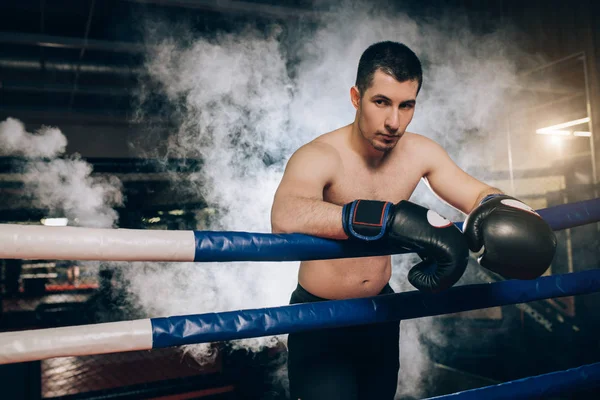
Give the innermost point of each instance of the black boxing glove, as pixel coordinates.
(438, 241)
(517, 242)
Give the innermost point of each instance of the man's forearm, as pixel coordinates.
(308, 216)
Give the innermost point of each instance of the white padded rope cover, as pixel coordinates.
(39, 344)
(34, 242)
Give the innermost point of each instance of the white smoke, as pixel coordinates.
(16, 141)
(62, 186)
(245, 107)
(235, 92)
(67, 187)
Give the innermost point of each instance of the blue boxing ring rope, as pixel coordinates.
(204, 328)
(240, 246)
(536, 387)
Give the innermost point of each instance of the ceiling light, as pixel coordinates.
(582, 133)
(563, 125)
(554, 133)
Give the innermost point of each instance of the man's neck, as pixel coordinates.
(358, 144)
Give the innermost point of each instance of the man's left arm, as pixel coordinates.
(452, 184)
(517, 242)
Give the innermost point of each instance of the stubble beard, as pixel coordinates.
(374, 144)
(384, 148)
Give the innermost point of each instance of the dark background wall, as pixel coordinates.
(79, 65)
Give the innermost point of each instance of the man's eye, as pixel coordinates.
(380, 102)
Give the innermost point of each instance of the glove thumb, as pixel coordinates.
(427, 276)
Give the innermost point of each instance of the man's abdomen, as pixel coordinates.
(345, 278)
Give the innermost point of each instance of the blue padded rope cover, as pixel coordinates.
(242, 246)
(203, 328)
(544, 386)
(571, 215)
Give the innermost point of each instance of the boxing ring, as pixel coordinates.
(69, 243)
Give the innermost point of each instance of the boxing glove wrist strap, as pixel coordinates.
(491, 196)
(366, 219)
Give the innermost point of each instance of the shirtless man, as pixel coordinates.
(377, 160)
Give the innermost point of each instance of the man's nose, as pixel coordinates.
(392, 123)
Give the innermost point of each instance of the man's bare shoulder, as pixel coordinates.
(427, 153)
(326, 145)
(318, 148)
(320, 153)
(415, 143)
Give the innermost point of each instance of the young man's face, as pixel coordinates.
(385, 110)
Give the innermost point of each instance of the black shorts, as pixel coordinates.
(358, 362)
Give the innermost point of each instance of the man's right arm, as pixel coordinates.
(298, 206)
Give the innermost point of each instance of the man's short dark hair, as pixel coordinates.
(392, 58)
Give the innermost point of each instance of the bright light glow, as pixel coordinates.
(176, 212)
(54, 221)
(556, 140)
(554, 133)
(582, 133)
(559, 127)
(154, 220)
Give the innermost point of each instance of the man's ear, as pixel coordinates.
(355, 96)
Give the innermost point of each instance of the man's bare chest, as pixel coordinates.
(387, 185)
